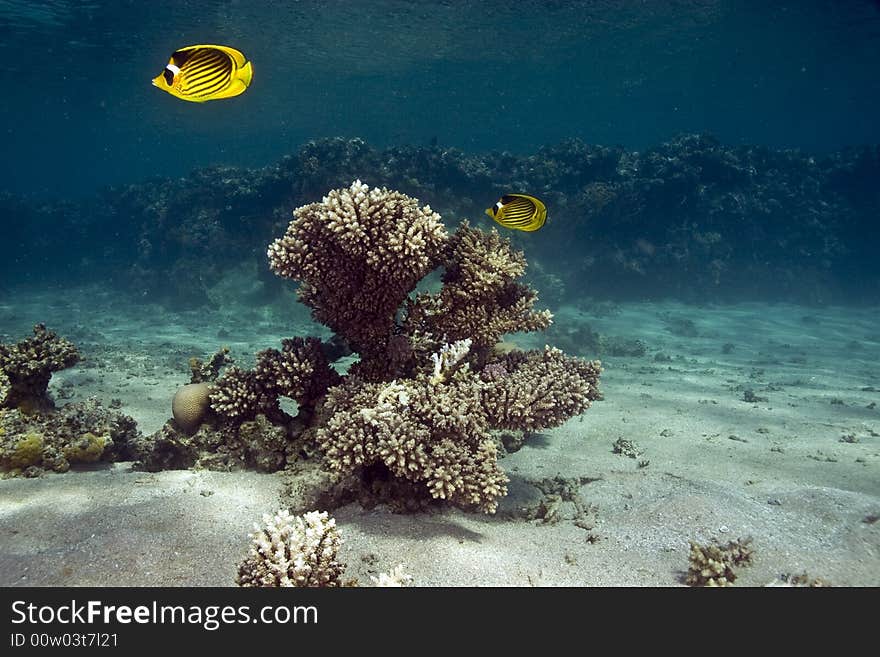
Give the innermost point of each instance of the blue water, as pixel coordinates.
(79, 112)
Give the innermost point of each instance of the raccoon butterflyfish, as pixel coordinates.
(519, 211)
(200, 73)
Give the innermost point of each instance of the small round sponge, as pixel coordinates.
(190, 404)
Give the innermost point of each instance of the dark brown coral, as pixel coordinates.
(358, 254)
(27, 367)
(299, 371)
(481, 297)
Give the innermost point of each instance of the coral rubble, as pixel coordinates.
(714, 565)
(35, 436)
(77, 433)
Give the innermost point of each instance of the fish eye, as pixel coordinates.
(169, 76)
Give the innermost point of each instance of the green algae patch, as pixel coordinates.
(22, 453)
(88, 448)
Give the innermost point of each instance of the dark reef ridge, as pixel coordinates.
(691, 218)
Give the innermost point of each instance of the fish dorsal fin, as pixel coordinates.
(181, 57)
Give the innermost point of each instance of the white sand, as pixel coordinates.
(719, 467)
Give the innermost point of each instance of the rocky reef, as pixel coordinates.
(35, 436)
(27, 366)
(691, 218)
(412, 419)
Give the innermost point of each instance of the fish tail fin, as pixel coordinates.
(246, 74)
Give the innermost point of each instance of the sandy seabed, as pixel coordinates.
(796, 468)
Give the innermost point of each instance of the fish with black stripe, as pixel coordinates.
(204, 72)
(519, 212)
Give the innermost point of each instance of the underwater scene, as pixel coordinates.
(440, 293)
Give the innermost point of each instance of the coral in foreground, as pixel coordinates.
(436, 436)
(411, 420)
(396, 578)
(293, 551)
(437, 433)
(713, 564)
(302, 551)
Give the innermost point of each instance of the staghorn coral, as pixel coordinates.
(291, 550)
(26, 367)
(357, 255)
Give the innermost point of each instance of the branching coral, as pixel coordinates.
(434, 435)
(435, 431)
(357, 255)
(413, 418)
(203, 371)
(26, 367)
(713, 564)
(538, 389)
(416, 408)
(299, 371)
(293, 551)
(481, 299)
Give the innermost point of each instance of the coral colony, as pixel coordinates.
(414, 413)
(411, 419)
